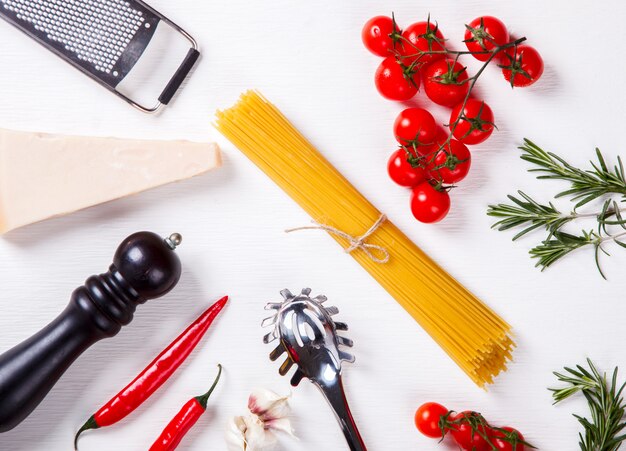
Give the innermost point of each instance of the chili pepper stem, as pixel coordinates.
(89, 424)
(204, 399)
(155, 374)
(184, 420)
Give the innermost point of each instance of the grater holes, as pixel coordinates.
(96, 31)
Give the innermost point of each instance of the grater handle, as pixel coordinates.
(179, 76)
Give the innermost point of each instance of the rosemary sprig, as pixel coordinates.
(528, 213)
(606, 406)
(560, 244)
(533, 215)
(586, 185)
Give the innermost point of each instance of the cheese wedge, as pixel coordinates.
(43, 175)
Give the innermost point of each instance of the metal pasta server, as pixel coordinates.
(102, 38)
(308, 334)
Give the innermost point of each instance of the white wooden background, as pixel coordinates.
(307, 57)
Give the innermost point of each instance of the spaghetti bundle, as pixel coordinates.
(475, 337)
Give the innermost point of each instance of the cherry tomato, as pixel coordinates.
(441, 136)
(422, 37)
(402, 172)
(485, 33)
(429, 204)
(377, 35)
(415, 126)
(429, 150)
(522, 65)
(476, 124)
(452, 163)
(463, 435)
(512, 437)
(445, 82)
(395, 81)
(427, 419)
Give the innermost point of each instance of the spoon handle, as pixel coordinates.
(334, 393)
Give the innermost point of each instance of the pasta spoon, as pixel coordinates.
(308, 335)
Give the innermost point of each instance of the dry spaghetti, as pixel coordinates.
(474, 336)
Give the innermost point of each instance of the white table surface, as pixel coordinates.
(307, 57)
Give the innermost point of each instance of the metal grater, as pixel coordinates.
(102, 38)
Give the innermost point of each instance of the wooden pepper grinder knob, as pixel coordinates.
(144, 267)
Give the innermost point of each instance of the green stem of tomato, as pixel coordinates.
(472, 80)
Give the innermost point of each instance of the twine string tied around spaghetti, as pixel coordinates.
(358, 242)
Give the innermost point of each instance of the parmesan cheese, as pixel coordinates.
(44, 175)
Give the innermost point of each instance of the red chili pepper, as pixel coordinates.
(184, 420)
(154, 375)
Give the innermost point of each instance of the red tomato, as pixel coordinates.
(377, 35)
(510, 443)
(522, 65)
(427, 419)
(445, 82)
(442, 135)
(402, 172)
(452, 163)
(415, 126)
(429, 150)
(395, 81)
(429, 204)
(485, 33)
(463, 435)
(422, 37)
(476, 124)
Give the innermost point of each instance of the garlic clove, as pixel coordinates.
(268, 405)
(235, 434)
(258, 438)
(280, 424)
(255, 431)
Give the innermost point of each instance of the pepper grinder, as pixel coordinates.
(144, 267)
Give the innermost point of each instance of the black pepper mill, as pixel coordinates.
(144, 267)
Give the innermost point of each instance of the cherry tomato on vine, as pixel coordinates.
(452, 163)
(422, 37)
(507, 441)
(475, 124)
(429, 204)
(402, 172)
(485, 33)
(463, 435)
(445, 82)
(395, 81)
(415, 126)
(427, 419)
(522, 65)
(377, 35)
(429, 150)
(441, 135)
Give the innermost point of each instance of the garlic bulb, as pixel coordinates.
(255, 431)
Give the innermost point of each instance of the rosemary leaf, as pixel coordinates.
(606, 406)
(528, 213)
(558, 246)
(585, 185)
